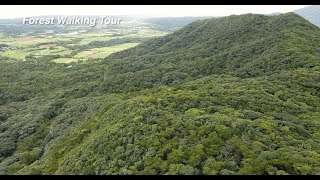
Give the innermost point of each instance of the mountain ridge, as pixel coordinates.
(311, 13)
(213, 55)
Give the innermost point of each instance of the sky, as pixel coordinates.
(14, 11)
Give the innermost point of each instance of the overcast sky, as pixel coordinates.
(9, 11)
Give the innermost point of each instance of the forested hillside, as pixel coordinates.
(230, 95)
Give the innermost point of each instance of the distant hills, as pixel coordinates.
(172, 23)
(312, 13)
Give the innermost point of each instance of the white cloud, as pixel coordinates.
(9, 11)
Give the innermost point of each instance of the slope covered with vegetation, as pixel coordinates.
(231, 95)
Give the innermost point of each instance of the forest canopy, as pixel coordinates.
(221, 96)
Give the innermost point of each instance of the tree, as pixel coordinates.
(176, 156)
(212, 167)
(196, 155)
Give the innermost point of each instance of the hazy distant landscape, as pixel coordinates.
(234, 95)
(78, 43)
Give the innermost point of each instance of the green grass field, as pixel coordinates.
(104, 52)
(16, 54)
(86, 35)
(144, 33)
(88, 40)
(21, 53)
(60, 38)
(57, 50)
(94, 53)
(23, 42)
(65, 60)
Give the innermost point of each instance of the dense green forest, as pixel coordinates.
(221, 96)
